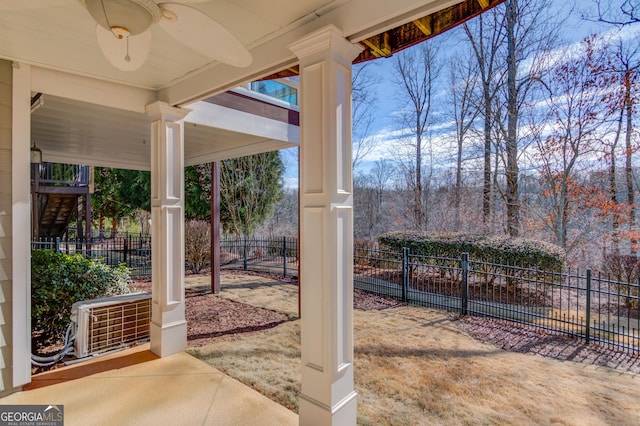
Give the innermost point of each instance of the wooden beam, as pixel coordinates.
(379, 45)
(78, 190)
(424, 25)
(483, 3)
(214, 259)
(254, 106)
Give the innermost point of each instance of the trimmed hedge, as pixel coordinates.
(59, 280)
(500, 249)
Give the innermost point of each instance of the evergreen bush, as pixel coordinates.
(500, 249)
(59, 280)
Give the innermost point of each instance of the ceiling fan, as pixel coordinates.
(123, 29)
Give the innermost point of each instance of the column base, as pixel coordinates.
(168, 339)
(312, 412)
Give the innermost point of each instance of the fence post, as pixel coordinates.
(405, 272)
(465, 283)
(125, 248)
(244, 264)
(587, 333)
(284, 256)
(57, 244)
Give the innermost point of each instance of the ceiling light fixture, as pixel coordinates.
(122, 29)
(124, 17)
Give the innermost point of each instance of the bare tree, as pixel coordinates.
(575, 112)
(370, 193)
(463, 84)
(619, 77)
(417, 70)
(511, 140)
(620, 13)
(485, 38)
(364, 99)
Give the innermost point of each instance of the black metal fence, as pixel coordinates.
(132, 250)
(586, 305)
(275, 254)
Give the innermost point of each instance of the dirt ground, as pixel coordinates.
(415, 365)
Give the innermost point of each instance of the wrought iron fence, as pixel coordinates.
(582, 304)
(586, 305)
(276, 255)
(132, 250)
(273, 254)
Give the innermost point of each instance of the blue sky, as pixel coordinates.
(386, 126)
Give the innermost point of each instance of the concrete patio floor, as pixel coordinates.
(135, 387)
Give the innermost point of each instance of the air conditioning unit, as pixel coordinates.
(111, 323)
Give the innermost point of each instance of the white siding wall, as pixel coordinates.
(6, 381)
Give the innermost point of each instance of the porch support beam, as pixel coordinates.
(20, 165)
(168, 325)
(91, 90)
(326, 226)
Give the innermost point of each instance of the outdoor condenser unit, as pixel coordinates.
(111, 323)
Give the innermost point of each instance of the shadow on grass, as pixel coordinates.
(399, 352)
(240, 330)
(257, 284)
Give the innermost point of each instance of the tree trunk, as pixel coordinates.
(417, 207)
(511, 172)
(458, 189)
(628, 104)
(613, 193)
(486, 189)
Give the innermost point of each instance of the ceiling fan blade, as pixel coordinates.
(204, 35)
(31, 4)
(121, 56)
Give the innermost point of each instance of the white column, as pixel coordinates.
(168, 325)
(21, 223)
(326, 226)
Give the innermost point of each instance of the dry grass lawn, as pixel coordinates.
(415, 366)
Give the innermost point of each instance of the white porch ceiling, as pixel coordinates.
(60, 34)
(75, 132)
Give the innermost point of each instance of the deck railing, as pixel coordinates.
(55, 174)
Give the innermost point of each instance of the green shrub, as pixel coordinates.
(500, 249)
(59, 280)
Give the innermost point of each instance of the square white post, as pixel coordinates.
(168, 325)
(21, 224)
(326, 225)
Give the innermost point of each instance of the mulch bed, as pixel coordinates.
(209, 316)
(365, 301)
(434, 282)
(520, 338)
